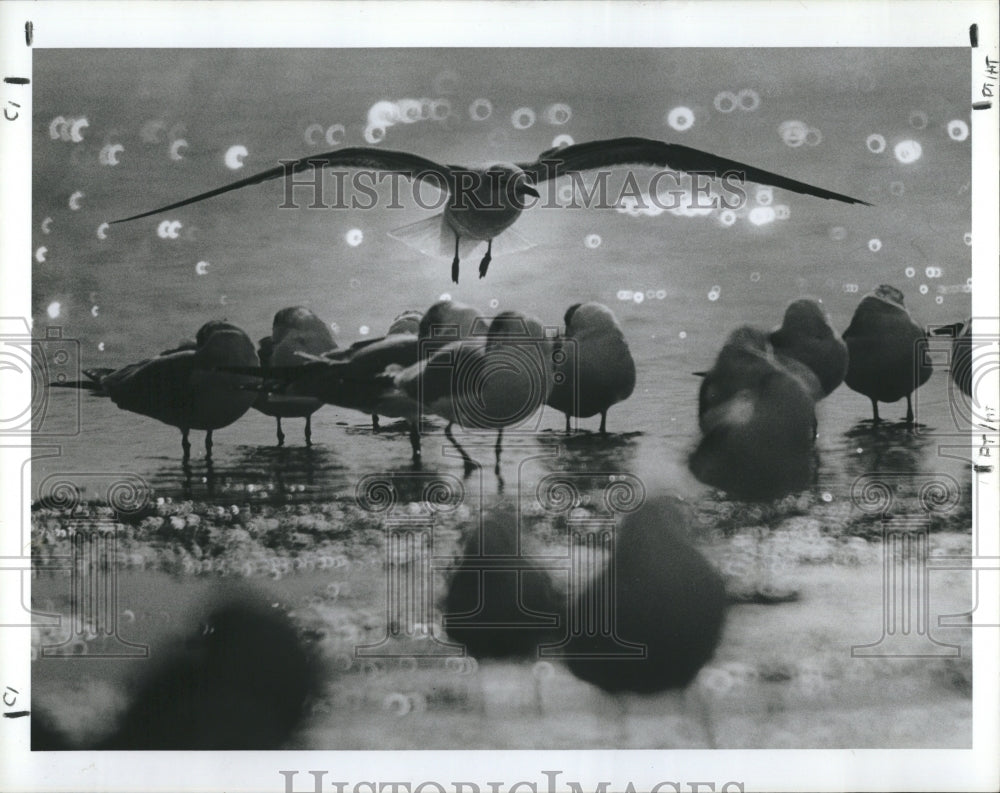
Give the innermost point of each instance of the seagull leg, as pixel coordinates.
(375, 425)
(604, 418)
(309, 431)
(484, 265)
(281, 435)
(208, 446)
(186, 446)
(499, 448)
(875, 418)
(454, 262)
(909, 411)
(470, 466)
(569, 429)
(415, 442)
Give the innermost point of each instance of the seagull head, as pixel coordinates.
(807, 318)
(890, 294)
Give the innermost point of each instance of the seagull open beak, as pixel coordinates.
(527, 189)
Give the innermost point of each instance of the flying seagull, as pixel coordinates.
(484, 202)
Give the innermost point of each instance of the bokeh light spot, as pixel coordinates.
(234, 156)
(749, 100)
(908, 151)
(761, 216)
(876, 143)
(480, 109)
(523, 118)
(680, 118)
(958, 130)
(918, 119)
(793, 132)
(725, 101)
(335, 134)
(558, 114)
(374, 134)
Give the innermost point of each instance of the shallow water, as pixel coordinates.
(133, 294)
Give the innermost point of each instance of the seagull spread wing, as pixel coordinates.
(644, 151)
(385, 160)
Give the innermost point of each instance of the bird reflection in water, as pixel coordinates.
(275, 474)
(885, 447)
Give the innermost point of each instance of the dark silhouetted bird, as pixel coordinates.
(886, 350)
(294, 330)
(499, 603)
(807, 336)
(595, 369)
(243, 681)
(484, 202)
(185, 387)
(665, 598)
(489, 381)
(758, 421)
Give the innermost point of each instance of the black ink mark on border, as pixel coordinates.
(982, 105)
(974, 35)
(16, 80)
(29, 32)
(16, 714)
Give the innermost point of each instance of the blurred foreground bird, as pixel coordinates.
(595, 369)
(243, 681)
(184, 387)
(887, 351)
(653, 617)
(758, 421)
(294, 330)
(961, 353)
(484, 202)
(499, 603)
(807, 336)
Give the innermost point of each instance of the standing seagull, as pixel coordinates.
(807, 336)
(183, 387)
(886, 350)
(295, 329)
(758, 421)
(361, 378)
(484, 202)
(490, 381)
(596, 369)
